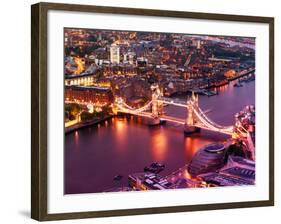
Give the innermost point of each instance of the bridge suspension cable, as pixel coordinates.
(201, 113)
(210, 125)
(126, 107)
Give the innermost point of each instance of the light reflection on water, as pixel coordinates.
(124, 145)
(158, 145)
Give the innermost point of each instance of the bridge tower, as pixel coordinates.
(191, 103)
(191, 118)
(156, 105)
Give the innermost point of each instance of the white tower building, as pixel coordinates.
(114, 54)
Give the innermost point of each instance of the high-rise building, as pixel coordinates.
(198, 45)
(114, 54)
(100, 37)
(125, 58)
(131, 56)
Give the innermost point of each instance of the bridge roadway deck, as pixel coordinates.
(181, 121)
(172, 119)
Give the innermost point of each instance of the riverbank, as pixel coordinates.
(240, 76)
(75, 127)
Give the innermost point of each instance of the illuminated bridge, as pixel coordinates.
(196, 119)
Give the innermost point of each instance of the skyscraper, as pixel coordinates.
(114, 54)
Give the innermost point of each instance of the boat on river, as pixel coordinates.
(154, 168)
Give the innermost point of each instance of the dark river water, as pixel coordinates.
(124, 145)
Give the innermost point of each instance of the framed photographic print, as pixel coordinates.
(139, 111)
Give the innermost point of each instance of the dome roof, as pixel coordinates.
(214, 148)
(208, 159)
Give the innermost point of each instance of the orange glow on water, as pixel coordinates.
(223, 88)
(159, 146)
(191, 146)
(121, 132)
(76, 137)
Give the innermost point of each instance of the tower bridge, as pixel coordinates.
(196, 119)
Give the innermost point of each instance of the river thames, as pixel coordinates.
(124, 145)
